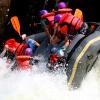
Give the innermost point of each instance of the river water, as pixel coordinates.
(39, 84)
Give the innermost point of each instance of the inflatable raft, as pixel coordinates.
(81, 55)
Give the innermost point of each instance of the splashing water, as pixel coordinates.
(39, 84)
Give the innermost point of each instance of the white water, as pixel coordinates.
(39, 84)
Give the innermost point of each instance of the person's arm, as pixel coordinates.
(44, 25)
(67, 41)
(54, 38)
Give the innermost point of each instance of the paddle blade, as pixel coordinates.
(15, 24)
(79, 14)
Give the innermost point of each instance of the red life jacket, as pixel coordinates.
(64, 29)
(49, 16)
(15, 47)
(64, 11)
(11, 45)
(20, 50)
(69, 24)
(23, 62)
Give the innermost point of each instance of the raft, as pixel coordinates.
(81, 56)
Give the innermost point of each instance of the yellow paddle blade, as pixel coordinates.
(15, 23)
(79, 14)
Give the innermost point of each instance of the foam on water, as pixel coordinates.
(39, 84)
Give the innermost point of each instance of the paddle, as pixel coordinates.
(3, 53)
(78, 13)
(15, 23)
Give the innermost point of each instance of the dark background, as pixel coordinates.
(28, 14)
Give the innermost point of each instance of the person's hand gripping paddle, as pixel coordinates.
(16, 25)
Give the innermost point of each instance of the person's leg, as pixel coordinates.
(42, 49)
(39, 37)
(42, 38)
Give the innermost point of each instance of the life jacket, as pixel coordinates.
(53, 58)
(69, 24)
(23, 62)
(64, 11)
(15, 47)
(20, 50)
(63, 29)
(50, 18)
(11, 45)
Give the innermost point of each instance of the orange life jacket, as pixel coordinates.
(69, 24)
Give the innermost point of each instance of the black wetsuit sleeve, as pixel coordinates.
(44, 23)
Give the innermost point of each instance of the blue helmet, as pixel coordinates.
(54, 50)
(31, 44)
